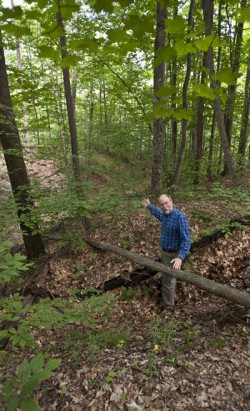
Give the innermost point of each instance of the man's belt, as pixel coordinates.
(169, 251)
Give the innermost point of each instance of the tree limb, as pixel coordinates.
(224, 291)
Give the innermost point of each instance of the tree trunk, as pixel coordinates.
(229, 293)
(176, 177)
(208, 11)
(70, 105)
(212, 134)
(245, 119)
(16, 167)
(91, 116)
(158, 123)
(211, 149)
(230, 103)
(26, 136)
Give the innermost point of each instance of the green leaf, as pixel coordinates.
(68, 10)
(28, 387)
(22, 342)
(14, 13)
(42, 3)
(206, 42)
(69, 61)
(139, 24)
(42, 375)
(33, 14)
(37, 363)
(124, 3)
(48, 52)
(4, 334)
(8, 388)
(15, 30)
(29, 405)
(103, 5)
(24, 370)
(184, 48)
(84, 44)
(12, 404)
(163, 112)
(166, 91)
(226, 75)
(183, 114)
(117, 35)
(203, 91)
(165, 54)
(243, 15)
(15, 339)
(176, 25)
(52, 364)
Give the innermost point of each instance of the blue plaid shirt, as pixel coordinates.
(174, 231)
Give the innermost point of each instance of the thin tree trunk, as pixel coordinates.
(158, 123)
(33, 98)
(230, 103)
(211, 148)
(208, 11)
(70, 105)
(245, 119)
(74, 84)
(174, 125)
(91, 116)
(17, 172)
(176, 177)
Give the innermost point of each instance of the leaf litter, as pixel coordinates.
(135, 359)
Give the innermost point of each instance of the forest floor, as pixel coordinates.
(131, 357)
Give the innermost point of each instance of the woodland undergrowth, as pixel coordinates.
(115, 350)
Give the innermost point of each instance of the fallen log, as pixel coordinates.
(224, 291)
(231, 225)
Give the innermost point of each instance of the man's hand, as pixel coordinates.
(177, 262)
(145, 202)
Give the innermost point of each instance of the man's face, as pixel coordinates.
(166, 204)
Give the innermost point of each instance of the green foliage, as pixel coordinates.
(17, 392)
(227, 227)
(111, 375)
(219, 342)
(11, 265)
(176, 25)
(162, 334)
(91, 342)
(48, 314)
(208, 41)
(172, 337)
(127, 294)
(226, 75)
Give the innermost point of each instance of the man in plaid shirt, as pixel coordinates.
(174, 241)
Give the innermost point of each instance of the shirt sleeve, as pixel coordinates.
(155, 211)
(185, 241)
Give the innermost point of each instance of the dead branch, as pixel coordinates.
(224, 291)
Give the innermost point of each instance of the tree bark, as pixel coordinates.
(158, 123)
(26, 136)
(221, 290)
(208, 11)
(176, 177)
(230, 103)
(17, 172)
(245, 119)
(70, 105)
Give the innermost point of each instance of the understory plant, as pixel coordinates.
(20, 322)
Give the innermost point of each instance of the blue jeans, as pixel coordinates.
(168, 282)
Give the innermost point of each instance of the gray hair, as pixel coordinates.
(166, 195)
